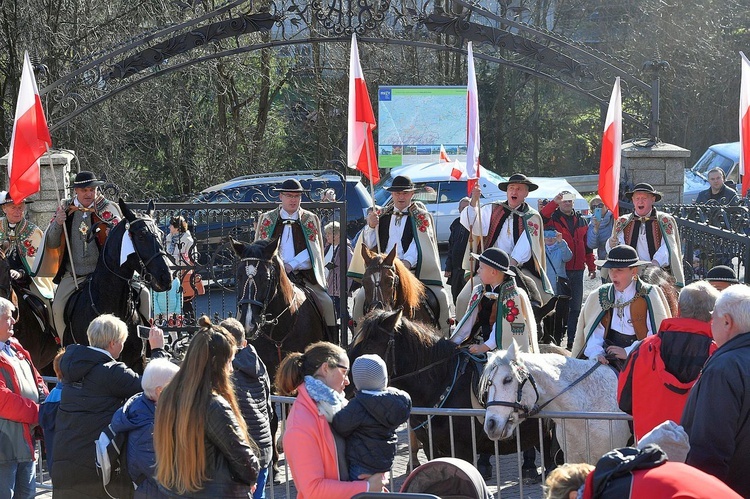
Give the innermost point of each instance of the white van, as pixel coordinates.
(724, 156)
(441, 193)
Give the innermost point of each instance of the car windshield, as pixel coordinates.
(711, 159)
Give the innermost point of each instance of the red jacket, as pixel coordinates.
(21, 413)
(657, 378)
(583, 256)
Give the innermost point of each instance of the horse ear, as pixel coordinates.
(151, 209)
(366, 255)
(129, 215)
(391, 319)
(237, 246)
(512, 350)
(391, 257)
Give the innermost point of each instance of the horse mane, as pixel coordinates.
(422, 342)
(286, 288)
(410, 292)
(657, 276)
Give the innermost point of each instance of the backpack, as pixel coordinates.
(111, 463)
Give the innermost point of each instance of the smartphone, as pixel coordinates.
(598, 214)
(143, 331)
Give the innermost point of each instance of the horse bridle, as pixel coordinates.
(523, 376)
(378, 295)
(145, 275)
(263, 304)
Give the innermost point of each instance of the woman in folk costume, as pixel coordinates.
(618, 314)
(497, 308)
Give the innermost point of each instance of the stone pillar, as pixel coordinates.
(662, 166)
(45, 202)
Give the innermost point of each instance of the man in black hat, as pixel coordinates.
(498, 312)
(514, 227)
(300, 247)
(410, 228)
(652, 233)
(619, 313)
(87, 218)
(721, 277)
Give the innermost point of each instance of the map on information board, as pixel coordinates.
(413, 122)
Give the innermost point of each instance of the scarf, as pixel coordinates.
(329, 401)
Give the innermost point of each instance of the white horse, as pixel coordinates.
(516, 383)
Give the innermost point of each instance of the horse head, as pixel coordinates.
(259, 279)
(502, 388)
(380, 281)
(154, 263)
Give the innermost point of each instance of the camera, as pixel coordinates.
(143, 331)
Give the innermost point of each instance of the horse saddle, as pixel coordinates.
(432, 304)
(84, 293)
(39, 308)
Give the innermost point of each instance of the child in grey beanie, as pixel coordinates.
(369, 421)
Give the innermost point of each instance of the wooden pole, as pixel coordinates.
(372, 187)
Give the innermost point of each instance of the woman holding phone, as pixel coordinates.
(600, 229)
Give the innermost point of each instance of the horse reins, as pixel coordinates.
(376, 278)
(525, 376)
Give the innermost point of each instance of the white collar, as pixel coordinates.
(286, 214)
(627, 294)
(79, 204)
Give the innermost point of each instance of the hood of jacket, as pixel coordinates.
(137, 412)
(391, 407)
(247, 362)
(78, 360)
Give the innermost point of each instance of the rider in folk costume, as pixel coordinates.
(620, 313)
(410, 228)
(21, 235)
(87, 217)
(497, 305)
(300, 247)
(652, 233)
(514, 227)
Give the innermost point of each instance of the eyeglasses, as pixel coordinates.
(345, 368)
(597, 205)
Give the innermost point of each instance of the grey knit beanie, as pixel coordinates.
(370, 373)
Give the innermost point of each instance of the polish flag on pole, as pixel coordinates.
(472, 125)
(360, 152)
(609, 167)
(30, 138)
(443, 155)
(745, 124)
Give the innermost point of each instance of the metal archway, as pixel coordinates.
(285, 23)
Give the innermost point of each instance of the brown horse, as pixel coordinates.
(388, 284)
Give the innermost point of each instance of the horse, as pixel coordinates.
(659, 277)
(108, 290)
(277, 315)
(38, 339)
(435, 374)
(516, 385)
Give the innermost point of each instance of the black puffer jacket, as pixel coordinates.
(253, 390)
(231, 465)
(95, 387)
(369, 425)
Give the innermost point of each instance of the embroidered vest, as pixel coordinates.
(638, 313)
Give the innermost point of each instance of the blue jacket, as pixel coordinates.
(47, 417)
(252, 387)
(136, 418)
(597, 240)
(557, 255)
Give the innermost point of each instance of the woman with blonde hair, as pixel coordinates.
(201, 441)
(318, 378)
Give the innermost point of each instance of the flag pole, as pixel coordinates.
(372, 187)
(65, 227)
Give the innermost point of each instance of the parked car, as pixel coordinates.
(724, 156)
(441, 193)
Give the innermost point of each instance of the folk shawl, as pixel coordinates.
(27, 240)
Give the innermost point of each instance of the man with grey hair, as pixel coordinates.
(21, 391)
(717, 413)
(659, 373)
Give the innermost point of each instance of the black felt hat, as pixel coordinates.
(290, 185)
(401, 183)
(495, 258)
(722, 273)
(6, 199)
(86, 179)
(620, 257)
(518, 178)
(643, 187)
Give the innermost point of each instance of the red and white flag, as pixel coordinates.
(360, 152)
(609, 166)
(30, 138)
(745, 124)
(472, 125)
(456, 171)
(443, 155)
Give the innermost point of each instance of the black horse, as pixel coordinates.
(109, 289)
(435, 373)
(35, 334)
